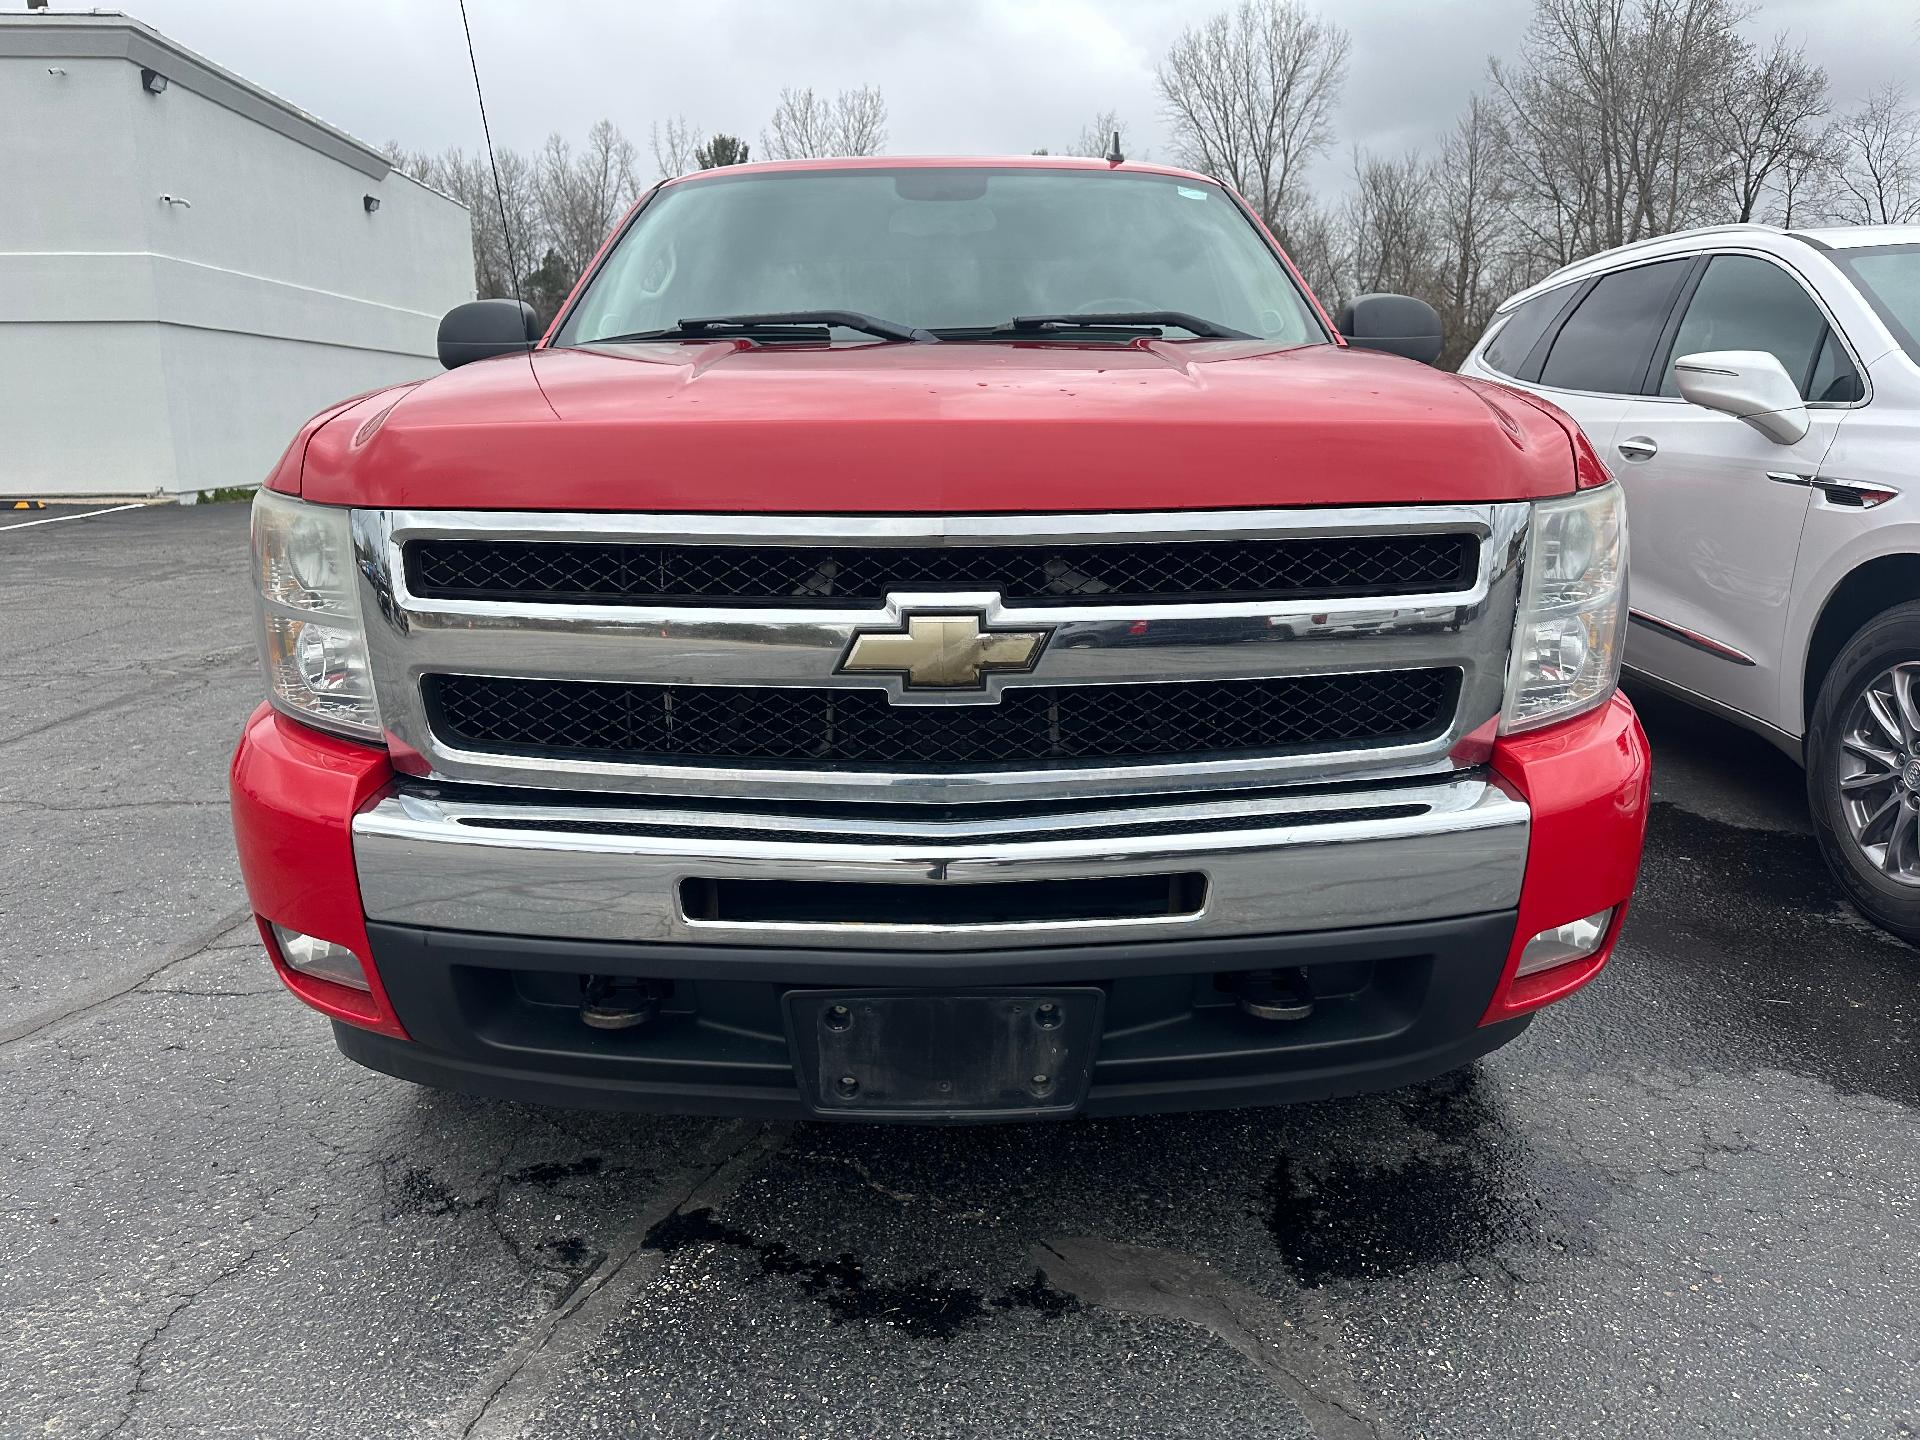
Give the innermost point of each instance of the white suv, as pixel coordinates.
(1757, 392)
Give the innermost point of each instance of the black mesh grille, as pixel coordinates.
(1186, 570)
(694, 724)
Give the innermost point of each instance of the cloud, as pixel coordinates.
(992, 76)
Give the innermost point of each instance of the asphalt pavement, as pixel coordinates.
(1685, 1203)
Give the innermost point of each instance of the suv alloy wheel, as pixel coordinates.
(1863, 769)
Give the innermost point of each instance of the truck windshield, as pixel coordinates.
(1889, 276)
(945, 249)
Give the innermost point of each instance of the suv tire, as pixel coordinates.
(1889, 641)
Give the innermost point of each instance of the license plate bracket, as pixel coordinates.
(961, 1055)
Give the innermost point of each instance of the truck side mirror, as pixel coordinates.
(1750, 385)
(1398, 324)
(483, 328)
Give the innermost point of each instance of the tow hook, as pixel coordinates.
(1274, 994)
(619, 1002)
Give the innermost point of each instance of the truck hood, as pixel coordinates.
(960, 428)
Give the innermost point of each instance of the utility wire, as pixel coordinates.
(499, 195)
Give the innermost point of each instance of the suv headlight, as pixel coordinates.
(1573, 611)
(311, 639)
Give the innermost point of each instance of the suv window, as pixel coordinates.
(1608, 340)
(1889, 276)
(1834, 377)
(1746, 303)
(1521, 331)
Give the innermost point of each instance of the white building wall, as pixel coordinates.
(84, 411)
(156, 348)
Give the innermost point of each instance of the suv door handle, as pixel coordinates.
(1639, 447)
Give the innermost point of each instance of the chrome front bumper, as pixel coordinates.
(1273, 864)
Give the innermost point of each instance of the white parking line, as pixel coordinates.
(56, 519)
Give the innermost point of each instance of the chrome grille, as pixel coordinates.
(1050, 724)
(1189, 571)
(1169, 681)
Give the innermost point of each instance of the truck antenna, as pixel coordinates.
(499, 197)
(1114, 157)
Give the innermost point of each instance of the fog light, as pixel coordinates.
(319, 958)
(1575, 940)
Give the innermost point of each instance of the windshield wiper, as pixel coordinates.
(781, 325)
(1126, 320)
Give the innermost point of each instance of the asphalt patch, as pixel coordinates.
(570, 1251)
(549, 1174)
(1451, 1107)
(418, 1192)
(1467, 1189)
(1740, 953)
(1779, 868)
(922, 1306)
(1353, 1222)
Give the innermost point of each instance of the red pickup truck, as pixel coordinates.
(938, 640)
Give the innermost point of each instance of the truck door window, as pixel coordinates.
(1607, 341)
(1746, 303)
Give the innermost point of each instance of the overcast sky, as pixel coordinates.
(992, 76)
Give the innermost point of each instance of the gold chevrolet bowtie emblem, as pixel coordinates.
(944, 652)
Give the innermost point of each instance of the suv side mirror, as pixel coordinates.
(1750, 385)
(1398, 324)
(482, 328)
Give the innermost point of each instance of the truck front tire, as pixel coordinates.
(1863, 770)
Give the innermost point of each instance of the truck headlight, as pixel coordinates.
(311, 639)
(1573, 610)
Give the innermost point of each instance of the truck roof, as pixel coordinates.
(946, 162)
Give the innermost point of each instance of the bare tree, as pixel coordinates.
(1317, 245)
(525, 236)
(675, 145)
(1551, 169)
(859, 121)
(1249, 98)
(806, 126)
(1880, 160)
(1473, 260)
(1808, 184)
(1607, 108)
(501, 257)
(1390, 225)
(582, 195)
(1768, 114)
(415, 163)
(798, 130)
